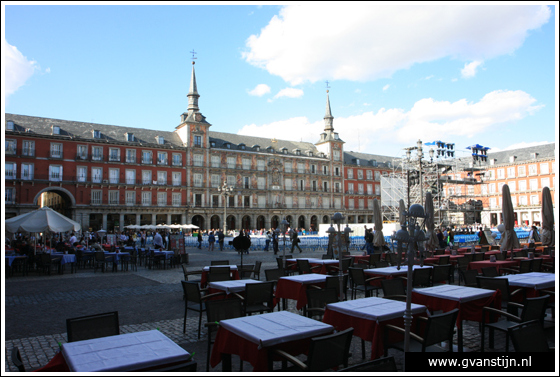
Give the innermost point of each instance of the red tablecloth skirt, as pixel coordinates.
(479, 265)
(293, 290)
(230, 343)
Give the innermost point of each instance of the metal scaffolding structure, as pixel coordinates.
(451, 182)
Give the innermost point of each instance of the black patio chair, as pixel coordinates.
(529, 336)
(317, 300)
(218, 273)
(92, 326)
(195, 299)
(393, 289)
(259, 298)
(16, 359)
(216, 311)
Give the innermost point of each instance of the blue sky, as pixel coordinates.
(459, 73)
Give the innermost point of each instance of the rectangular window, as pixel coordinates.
(198, 141)
(360, 188)
(130, 198)
(545, 182)
(10, 196)
(337, 187)
(198, 159)
(326, 202)
(11, 169)
(246, 182)
(533, 184)
(521, 171)
(215, 161)
(361, 203)
(370, 189)
(96, 196)
(360, 174)
(28, 148)
(522, 185)
(492, 188)
(130, 176)
(287, 184)
(177, 159)
(197, 180)
(289, 201)
(377, 190)
(300, 167)
(131, 156)
(231, 162)
(314, 185)
(215, 180)
(336, 171)
(350, 173)
(146, 177)
(484, 189)
(377, 175)
(533, 169)
(511, 172)
(147, 157)
(350, 188)
(97, 153)
(301, 184)
(544, 168)
(325, 186)
(56, 150)
(113, 175)
(215, 201)
(161, 198)
(288, 167)
(261, 183)
(114, 154)
(246, 164)
(512, 186)
(11, 146)
(492, 202)
(113, 197)
(501, 174)
(231, 180)
(176, 178)
(369, 174)
(370, 203)
(231, 201)
(96, 175)
(161, 177)
(313, 169)
(337, 203)
(247, 201)
(313, 201)
(514, 201)
(81, 173)
(523, 200)
(336, 155)
(55, 173)
(301, 202)
(262, 201)
(325, 169)
(162, 158)
(146, 198)
(534, 200)
(470, 190)
(81, 153)
(176, 199)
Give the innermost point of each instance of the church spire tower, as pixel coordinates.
(193, 93)
(328, 116)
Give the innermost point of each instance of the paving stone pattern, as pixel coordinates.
(37, 305)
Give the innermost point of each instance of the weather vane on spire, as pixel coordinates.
(193, 58)
(327, 82)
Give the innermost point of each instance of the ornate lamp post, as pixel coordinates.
(414, 237)
(225, 191)
(337, 219)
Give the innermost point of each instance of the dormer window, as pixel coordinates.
(534, 155)
(284, 150)
(160, 140)
(228, 145)
(10, 125)
(55, 130)
(242, 147)
(96, 134)
(212, 144)
(129, 136)
(257, 148)
(493, 161)
(310, 154)
(270, 150)
(512, 158)
(374, 163)
(298, 152)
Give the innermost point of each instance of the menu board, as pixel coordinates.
(112, 239)
(177, 243)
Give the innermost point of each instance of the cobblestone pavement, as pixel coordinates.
(37, 305)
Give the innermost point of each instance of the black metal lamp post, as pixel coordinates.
(284, 225)
(225, 191)
(337, 219)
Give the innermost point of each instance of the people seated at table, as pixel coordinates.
(96, 246)
(158, 241)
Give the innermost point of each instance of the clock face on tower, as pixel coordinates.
(198, 117)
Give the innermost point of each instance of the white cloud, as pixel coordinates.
(306, 42)
(260, 90)
(520, 145)
(368, 131)
(18, 68)
(289, 92)
(386, 87)
(469, 70)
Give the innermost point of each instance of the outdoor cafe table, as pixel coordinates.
(231, 286)
(206, 271)
(389, 272)
(295, 287)
(531, 281)
(468, 300)
(140, 351)
(253, 337)
(368, 317)
(479, 265)
(316, 262)
(66, 259)
(435, 258)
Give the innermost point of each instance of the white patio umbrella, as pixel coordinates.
(378, 239)
(432, 242)
(42, 220)
(547, 236)
(510, 240)
(190, 226)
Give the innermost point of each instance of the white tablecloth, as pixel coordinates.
(307, 278)
(122, 353)
(375, 308)
(455, 292)
(275, 328)
(535, 280)
(230, 286)
(231, 267)
(388, 271)
(66, 258)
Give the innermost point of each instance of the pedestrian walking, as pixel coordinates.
(211, 240)
(199, 238)
(221, 239)
(295, 240)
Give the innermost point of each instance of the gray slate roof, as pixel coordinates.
(366, 159)
(545, 151)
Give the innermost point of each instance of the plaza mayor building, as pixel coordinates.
(109, 176)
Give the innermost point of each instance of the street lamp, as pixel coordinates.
(413, 237)
(337, 219)
(225, 191)
(284, 224)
